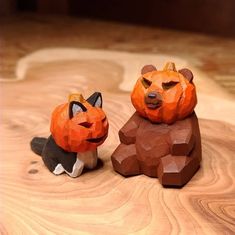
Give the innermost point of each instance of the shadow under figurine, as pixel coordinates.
(162, 139)
(77, 129)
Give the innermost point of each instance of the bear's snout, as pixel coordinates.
(153, 100)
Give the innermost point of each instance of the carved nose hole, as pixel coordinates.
(152, 95)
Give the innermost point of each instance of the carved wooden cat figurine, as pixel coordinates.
(77, 129)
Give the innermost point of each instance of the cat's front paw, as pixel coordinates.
(76, 170)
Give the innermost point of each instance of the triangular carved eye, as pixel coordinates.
(168, 85)
(95, 100)
(76, 107)
(146, 83)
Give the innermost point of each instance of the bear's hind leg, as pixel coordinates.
(124, 160)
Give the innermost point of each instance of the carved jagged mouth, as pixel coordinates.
(96, 140)
(153, 105)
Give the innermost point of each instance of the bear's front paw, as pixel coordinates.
(124, 160)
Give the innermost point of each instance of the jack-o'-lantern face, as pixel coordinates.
(80, 125)
(164, 96)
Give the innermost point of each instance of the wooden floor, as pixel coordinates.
(33, 201)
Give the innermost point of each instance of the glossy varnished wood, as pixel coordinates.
(34, 201)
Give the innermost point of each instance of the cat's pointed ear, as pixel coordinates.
(76, 107)
(95, 100)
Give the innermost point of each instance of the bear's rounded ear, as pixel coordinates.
(148, 68)
(187, 74)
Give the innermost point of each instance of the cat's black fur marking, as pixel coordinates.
(94, 97)
(37, 144)
(52, 154)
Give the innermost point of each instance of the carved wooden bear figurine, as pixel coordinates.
(77, 129)
(162, 139)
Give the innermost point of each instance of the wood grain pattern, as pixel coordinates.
(33, 201)
(23, 34)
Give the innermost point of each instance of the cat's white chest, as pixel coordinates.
(87, 159)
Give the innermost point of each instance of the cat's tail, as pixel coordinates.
(37, 144)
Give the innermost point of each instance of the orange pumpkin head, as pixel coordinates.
(164, 96)
(80, 125)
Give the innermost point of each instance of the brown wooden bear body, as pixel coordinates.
(170, 152)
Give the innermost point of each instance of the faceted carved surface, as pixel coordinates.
(182, 138)
(77, 129)
(127, 134)
(170, 152)
(77, 126)
(124, 160)
(164, 96)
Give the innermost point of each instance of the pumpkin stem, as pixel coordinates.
(76, 97)
(170, 66)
